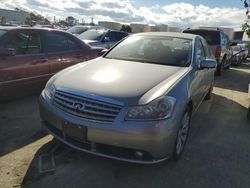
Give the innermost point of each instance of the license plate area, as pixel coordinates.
(73, 131)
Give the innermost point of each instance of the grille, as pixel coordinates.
(85, 107)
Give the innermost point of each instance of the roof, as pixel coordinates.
(8, 28)
(168, 34)
(204, 29)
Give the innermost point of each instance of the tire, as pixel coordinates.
(182, 135)
(209, 94)
(219, 69)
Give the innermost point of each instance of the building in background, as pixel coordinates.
(238, 34)
(161, 27)
(110, 25)
(138, 28)
(228, 30)
(174, 29)
(17, 16)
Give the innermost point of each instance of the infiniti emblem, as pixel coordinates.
(78, 106)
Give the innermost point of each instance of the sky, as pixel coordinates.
(178, 13)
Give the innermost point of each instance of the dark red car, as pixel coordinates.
(30, 56)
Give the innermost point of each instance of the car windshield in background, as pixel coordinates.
(77, 30)
(92, 35)
(157, 50)
(2, 31)
(236, 48)
(212, 37)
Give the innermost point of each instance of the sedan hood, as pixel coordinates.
(128, 82)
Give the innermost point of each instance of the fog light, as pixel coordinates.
(138, 154)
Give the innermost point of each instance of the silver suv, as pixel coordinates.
(219, 43)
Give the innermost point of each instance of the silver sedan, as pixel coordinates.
(134, 103)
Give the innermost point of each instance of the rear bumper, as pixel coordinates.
(117, 140)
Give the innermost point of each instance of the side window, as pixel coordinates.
(73, 45)
(206, 48)
(120, 36)
(200, 52)
(25, 43)
(223, 39)
(56, 42)
(112, 36)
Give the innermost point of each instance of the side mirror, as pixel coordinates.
(103, 51)
(7, 52)
(208, 63)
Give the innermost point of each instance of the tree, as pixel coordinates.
(62, 22)
(246, 27)
(36, 19)
(71, 20)
(126, 28)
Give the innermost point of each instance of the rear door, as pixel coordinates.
(30, 62)
(63, 50)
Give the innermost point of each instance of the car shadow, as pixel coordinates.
(20, 124)
(236, 75)
(219, 135)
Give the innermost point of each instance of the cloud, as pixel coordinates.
(176, 14)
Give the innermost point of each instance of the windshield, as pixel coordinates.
(92, 35)
(236, 48)
(156, 50)
(212, 37)
(77, 29)
(2, 31)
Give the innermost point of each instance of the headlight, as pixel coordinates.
(160, 108)
(50, 90)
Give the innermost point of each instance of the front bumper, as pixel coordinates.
(119, 140)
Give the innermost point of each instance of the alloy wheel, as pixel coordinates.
(182, 134)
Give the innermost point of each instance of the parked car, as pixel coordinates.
(102, 38)
(33, 55)
(245, 50)
(219, 43)
(238, 55)
(79, 29)
(134, 103)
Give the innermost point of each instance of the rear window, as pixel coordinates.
(77, 29)
(212, 37)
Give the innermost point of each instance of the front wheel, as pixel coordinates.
(182, 135)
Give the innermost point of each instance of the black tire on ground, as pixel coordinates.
(228, 64)
(218, 70)
(182, 134)
(209, 94)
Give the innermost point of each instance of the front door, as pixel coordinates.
(28, 65)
